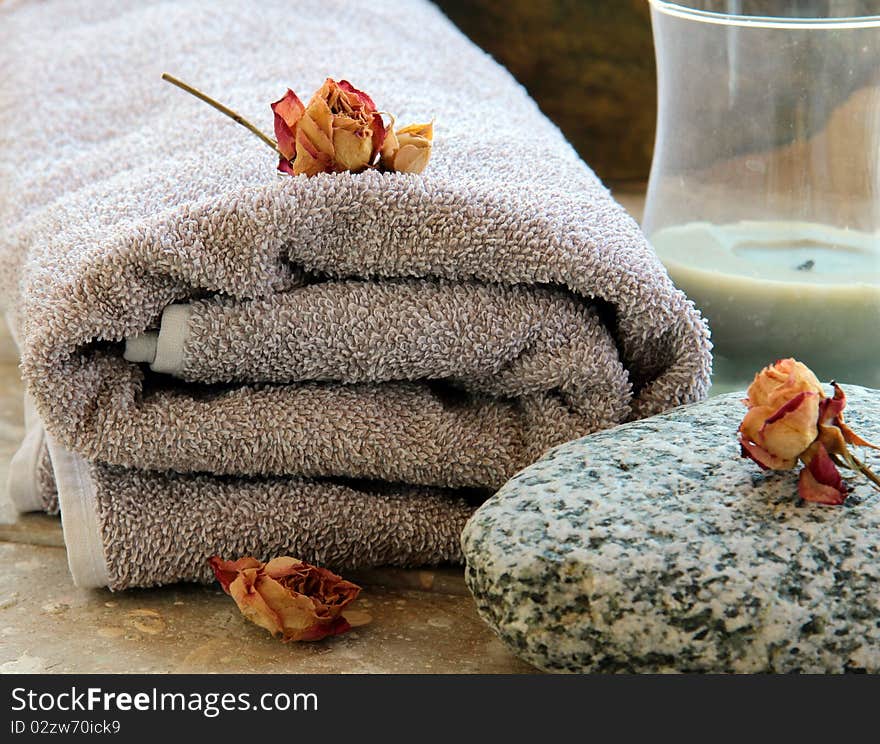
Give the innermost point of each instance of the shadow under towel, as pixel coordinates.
(223, 359)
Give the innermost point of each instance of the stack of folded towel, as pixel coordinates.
(221, 359)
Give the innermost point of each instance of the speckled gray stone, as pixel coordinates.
(654, 547)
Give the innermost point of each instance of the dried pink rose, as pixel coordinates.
(339, 130)
(790, 419)
(287, 597)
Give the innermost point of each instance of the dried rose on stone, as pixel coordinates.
(287, 597)
(338, 130)
(783, 415)
(409, 148)
(790, 419)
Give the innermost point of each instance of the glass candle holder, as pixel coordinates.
(764, 196)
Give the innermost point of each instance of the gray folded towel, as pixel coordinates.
(341, 365)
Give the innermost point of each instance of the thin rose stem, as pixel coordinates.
(236, 117)
(866, 471)
(851, 462)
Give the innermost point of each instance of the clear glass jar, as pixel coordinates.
(764, 195)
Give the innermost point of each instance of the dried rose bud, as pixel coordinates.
(408, 149)
(338, 130)
(791, 419)
(287, 597)
(782, 421)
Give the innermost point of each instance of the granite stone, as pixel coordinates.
(654, 547)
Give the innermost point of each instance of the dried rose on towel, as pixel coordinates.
(287, 597)
(790, 419)
(339, 130)
(408, 149)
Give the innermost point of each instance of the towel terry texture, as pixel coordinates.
(343, 365)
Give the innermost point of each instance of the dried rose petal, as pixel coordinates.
(352, 150)
(763, 458)
(750, 436)
(310, 159)
(774, 439)
(377, 125)
(779, 382)
(793, 428)
(820, 481)
(832, 415)
(227, 571)
(288, 111)
(287, 597)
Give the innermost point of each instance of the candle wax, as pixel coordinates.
(777, 289)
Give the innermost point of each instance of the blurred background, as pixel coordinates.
(590, 66)
(588, 63)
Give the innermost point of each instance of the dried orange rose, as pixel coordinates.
(790, 419)
(338, 130)
(287, 597)
(408, 149)
(783, 415)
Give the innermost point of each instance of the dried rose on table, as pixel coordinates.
(339, 130)
(288, 597)
(790, 419)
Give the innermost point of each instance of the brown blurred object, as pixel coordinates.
(588, 63)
